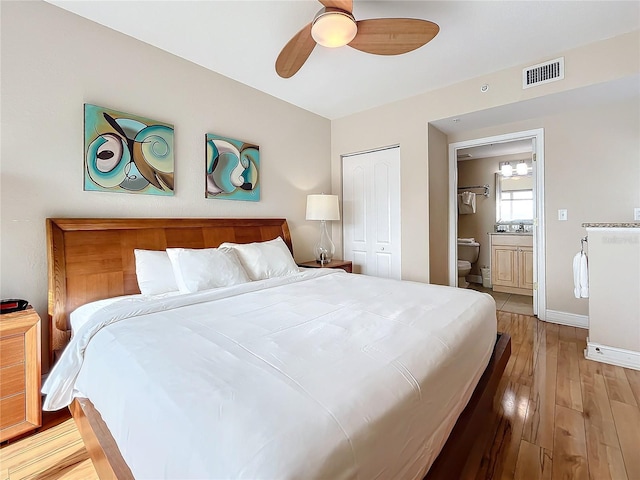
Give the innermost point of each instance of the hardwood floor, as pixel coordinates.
(560, 416)
(54, 453)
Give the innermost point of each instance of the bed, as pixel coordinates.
(317, 374)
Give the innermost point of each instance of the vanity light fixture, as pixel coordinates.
(522, 168)
(506, 169)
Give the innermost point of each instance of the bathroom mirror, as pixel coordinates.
(514, 198)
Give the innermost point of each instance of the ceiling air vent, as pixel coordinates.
(543, 73)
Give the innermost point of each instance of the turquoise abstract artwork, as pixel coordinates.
(232, 168)
(126, 153)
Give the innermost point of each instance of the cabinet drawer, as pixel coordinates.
(12, 380)
(11, 350)
(516, 240)
(12, 410)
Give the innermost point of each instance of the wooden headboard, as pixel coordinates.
(92, 258)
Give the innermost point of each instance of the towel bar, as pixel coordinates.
(485, 186)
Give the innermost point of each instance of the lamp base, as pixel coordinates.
(325, 248)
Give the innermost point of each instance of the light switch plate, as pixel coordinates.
(636, 214)
(562, 214)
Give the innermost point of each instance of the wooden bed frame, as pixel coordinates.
(92, 259)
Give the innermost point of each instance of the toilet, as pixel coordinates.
(468, 251)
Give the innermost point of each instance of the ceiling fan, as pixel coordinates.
(334, 26)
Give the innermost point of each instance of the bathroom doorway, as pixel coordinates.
(491, 202)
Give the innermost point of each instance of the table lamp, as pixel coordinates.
(324, 208)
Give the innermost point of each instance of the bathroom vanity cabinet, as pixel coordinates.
(512, 263)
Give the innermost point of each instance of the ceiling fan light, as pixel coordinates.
(333, 29)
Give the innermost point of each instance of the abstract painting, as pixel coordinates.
(126, 153)
(232, 168)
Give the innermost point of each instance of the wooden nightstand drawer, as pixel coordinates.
(13, 410)
(11, 350)
(20, 400)
(12, 380)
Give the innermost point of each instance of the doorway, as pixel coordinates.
(457, 151)
(371, 212)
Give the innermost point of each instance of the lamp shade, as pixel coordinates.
(323, 207)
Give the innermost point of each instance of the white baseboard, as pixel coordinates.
(564, 318)
(612, 355)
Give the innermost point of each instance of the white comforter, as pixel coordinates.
(318, 375)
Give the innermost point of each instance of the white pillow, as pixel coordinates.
(265, 259)
(205, 268)
(154, 272)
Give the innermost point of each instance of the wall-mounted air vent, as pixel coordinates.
(546, 72)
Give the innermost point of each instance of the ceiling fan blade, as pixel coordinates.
(393, 36)
(295, 53)
(346, 5)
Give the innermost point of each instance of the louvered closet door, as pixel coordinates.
(371, 212)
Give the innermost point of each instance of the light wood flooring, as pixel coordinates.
(559, 417)
(562, 416)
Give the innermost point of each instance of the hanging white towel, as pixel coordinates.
(576, 275)
(584, 276)
(466, 203)
(580, 276)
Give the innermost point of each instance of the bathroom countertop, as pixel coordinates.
(612, 225)
(525, 234)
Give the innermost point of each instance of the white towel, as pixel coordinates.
(576, 275)
(466, 240)
(584, 276)
(466, 203)
(580, 276)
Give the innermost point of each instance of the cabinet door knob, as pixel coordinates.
(382, 249)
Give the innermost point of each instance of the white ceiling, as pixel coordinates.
(586, 97)
(241, 40)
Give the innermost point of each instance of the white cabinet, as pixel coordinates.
(512, 263)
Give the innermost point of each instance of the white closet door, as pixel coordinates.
(371, 212)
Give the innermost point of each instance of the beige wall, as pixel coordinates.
(54, 61)
(438, 207)
(603, 137)
(591, 169)
(405, 123)
(478, 225)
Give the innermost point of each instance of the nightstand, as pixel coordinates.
(20, 402)
(345, 265)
